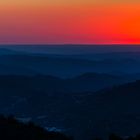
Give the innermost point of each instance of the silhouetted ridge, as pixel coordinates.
(12, 129)
(125, 89)
(96, 75)
(114, 136)
(85, 83)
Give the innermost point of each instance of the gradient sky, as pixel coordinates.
(70, 21)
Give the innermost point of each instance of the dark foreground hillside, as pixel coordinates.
(83, 115)
(11, 129)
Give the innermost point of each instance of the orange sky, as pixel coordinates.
(69, 22)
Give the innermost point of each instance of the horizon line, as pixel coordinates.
(68, 44)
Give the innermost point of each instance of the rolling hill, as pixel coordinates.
(82, 115)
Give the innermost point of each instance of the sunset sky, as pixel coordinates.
(70, 22)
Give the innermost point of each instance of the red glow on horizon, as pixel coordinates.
(95, 24)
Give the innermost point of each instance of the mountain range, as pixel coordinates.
(90, 113)
(82, 95)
